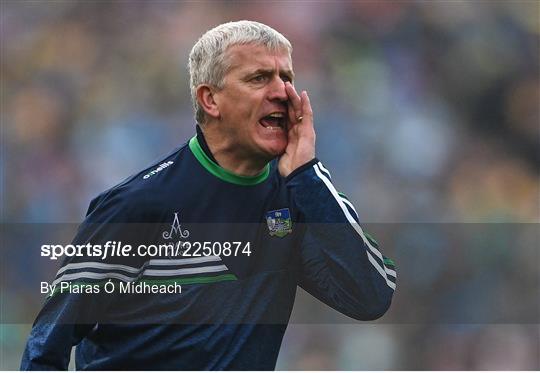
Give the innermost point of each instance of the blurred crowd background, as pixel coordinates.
(427, 114)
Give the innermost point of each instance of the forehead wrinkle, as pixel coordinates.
(255, 60)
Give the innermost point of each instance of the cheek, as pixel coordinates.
(241, 106)
(247, 110)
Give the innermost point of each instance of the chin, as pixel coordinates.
(274, 148)
(271, 142)
(278, 152)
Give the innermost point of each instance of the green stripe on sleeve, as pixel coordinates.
(371, 239)
(344, 196)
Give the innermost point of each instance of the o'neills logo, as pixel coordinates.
(160, 167)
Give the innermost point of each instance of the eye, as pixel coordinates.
(258, 79)
(286, 78)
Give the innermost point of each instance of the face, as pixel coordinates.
(253, 102)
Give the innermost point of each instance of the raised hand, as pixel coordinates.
(301, 133)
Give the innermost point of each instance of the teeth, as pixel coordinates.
(276, 115)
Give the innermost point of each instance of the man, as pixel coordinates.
(248, 195)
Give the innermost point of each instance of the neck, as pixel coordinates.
(228, 155)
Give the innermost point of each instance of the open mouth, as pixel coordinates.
(274, 121)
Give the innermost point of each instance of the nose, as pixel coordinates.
(277, 90)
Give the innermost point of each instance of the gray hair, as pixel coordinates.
(208, 60)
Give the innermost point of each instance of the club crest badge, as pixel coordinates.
(279, 222)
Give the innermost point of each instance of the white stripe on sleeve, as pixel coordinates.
(345, 201)
(358, 230)
(323, 169)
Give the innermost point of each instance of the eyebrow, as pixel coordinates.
(288, 73)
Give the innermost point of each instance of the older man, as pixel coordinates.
(251, 213)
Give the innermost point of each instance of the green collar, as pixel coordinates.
(222, 173)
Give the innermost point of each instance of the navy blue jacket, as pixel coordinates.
(235, 304)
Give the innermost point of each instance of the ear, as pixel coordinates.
(205, 97)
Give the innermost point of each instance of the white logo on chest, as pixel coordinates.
(160, 167)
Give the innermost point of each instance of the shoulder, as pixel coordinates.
(130, 199)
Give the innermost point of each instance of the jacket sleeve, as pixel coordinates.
(55, 331)
(338, 262)
(67, 317)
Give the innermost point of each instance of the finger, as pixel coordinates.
(306, 106)
(295, 100)
(292, 116)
